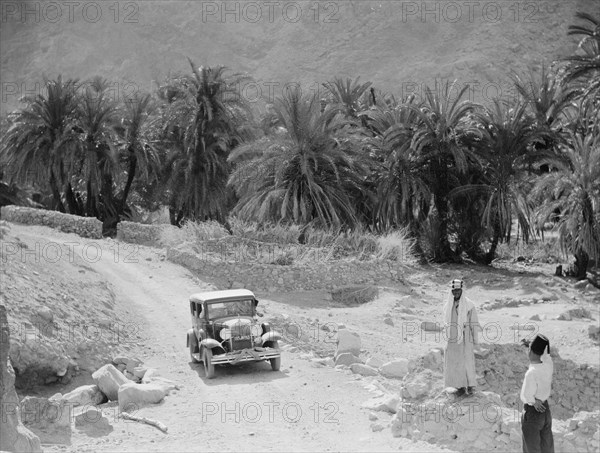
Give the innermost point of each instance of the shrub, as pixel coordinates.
(397, 246)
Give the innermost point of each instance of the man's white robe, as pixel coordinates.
(459, 358)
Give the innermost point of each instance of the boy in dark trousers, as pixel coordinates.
(536, 422)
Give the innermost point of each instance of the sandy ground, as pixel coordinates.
(303, 407)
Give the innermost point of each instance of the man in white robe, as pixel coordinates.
(462, 328)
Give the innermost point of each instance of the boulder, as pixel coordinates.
(434, 359)
(132, 396)
(388, 321)
(363, 370)
(348, 341)
(14, 436)
(415, 389)
(385, 403)
(45, 314)
(109, 379)
(581, 284)
(374, 362)
(395, 369)
(346, 359)
(149, 375)
(49, 419)
(92, 416)
(139, 371)
(85, 395)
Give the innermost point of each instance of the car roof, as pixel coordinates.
(219, 295)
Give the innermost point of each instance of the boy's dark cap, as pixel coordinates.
(539, 344)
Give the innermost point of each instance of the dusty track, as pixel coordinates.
(245, 408)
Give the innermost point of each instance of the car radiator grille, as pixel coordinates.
(239, 343)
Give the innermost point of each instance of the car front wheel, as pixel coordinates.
(194, 355)
(209, 368)
(276, 362)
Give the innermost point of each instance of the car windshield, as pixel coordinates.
(236, 308)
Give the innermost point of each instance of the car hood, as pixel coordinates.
(237, 322)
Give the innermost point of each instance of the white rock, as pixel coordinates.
(92, 416)
(46, 314)
(348, 341)
(132, 396)
(385, 403)
(109, 379)
(139, 371)
(395, 369)
(363, 370)
(150, 374)
(374, 362)
(416, 389)
(434, 359)
(346, 359)
(85, 395)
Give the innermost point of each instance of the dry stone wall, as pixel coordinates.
(295, 277)
(87, 227)
(139, 233)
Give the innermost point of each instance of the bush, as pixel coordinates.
(397, 246)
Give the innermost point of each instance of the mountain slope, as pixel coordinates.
(397, 45)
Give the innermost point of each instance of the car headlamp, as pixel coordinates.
(225, 333)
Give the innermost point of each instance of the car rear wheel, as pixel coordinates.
(209, 368)
(194, 354)
(276, 362)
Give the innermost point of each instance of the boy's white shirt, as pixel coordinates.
(538, 380)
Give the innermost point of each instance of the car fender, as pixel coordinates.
(190, 334)
(271, 336)
(210, 343)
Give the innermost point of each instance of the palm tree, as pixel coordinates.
(306, 172)
(94, 162)
(585, 67)
(507, 138)
(574, 189)
(403, 196)
(546, 96)
(348, 95)
(37, 143)
(439, 141)
(204, 119)
(140, 149)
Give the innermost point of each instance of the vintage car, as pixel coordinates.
(225, 329)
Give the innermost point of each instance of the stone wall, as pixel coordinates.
(87, 227)
(138, 233)
(296, 277)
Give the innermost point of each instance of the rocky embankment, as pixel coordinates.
(14, 436)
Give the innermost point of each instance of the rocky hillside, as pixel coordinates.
(397, 45)
(63, 317)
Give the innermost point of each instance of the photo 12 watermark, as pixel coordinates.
(73, 333)
(113, 91)
(53, 252)
(269, 412)
(57, 12)
(476, 11)
(270, 12)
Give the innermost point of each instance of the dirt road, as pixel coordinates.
(302, 407)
